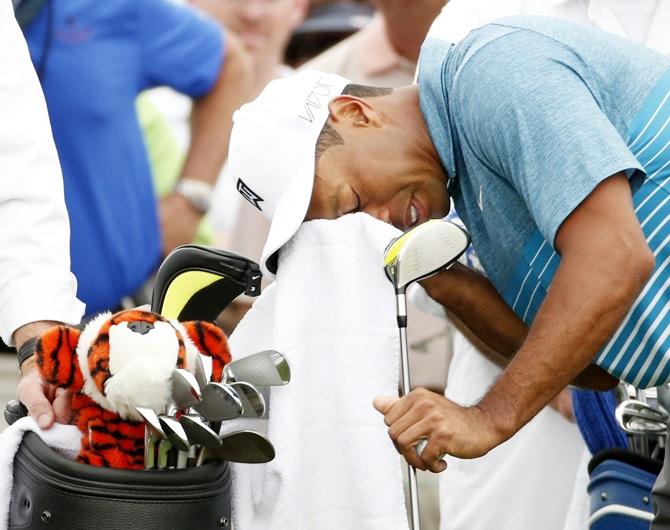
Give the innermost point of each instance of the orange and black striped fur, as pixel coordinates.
(81, 361)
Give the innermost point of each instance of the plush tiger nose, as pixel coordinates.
(140, 326)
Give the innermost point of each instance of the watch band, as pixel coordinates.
(26, 350)
(197, 192)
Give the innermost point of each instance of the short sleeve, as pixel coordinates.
(181, 48)
(530, 113)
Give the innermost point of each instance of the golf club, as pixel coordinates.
(244, 446)
(417, 254)
(185, 389)
(198, 432)
(219, 402)
(253, 404)
(265, 368)
(640, 418)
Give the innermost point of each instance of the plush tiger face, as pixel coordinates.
(127, 359)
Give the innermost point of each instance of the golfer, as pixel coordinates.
(553, 141)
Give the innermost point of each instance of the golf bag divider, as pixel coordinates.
(620, 490)
(50, 491)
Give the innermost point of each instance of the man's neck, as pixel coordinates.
(407, 111)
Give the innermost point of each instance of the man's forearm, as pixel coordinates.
(578, 315)
(211, 117)
(473, 301)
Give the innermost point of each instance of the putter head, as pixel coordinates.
(265, 368)
(423, 251)
(635, 417)
(185, 389)
(252, 400)
(219, 402)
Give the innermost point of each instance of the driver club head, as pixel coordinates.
(265, 368)
(423, 251)
(219, 402)
(252, 400)
(185, 389)
(635, 417)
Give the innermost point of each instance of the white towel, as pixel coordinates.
(331, 311)
(65, 439)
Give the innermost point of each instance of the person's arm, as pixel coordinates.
(211, 123)
(37, 288)
(602, 245)
(480, 313)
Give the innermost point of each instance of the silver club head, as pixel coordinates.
(198, 432)
(635, 417)
(185, 389)
(199, 371)
(423, 251)
(246, 447)
(151, 419)
(174, 432)
(252, 400)
(219, 402)
(265, 368)
(663, 396)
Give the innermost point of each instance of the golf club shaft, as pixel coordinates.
(415, 523)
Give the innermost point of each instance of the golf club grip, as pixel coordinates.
(14, 410)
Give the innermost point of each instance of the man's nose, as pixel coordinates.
(140, 326)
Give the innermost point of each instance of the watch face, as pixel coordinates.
(197, 192)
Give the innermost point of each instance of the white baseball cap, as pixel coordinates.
(272, 151)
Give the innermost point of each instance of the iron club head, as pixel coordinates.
(219, 402)
(252, 400)
(245, 447)
(635, 417)
(265, 368)
(185, 389)
(198, 432)
(174, 432)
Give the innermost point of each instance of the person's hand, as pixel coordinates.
(179, 221)
(46, 403)
(464, 432)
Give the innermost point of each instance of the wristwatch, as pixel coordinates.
(197, 192)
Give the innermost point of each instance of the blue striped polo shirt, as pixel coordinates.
(529, 115)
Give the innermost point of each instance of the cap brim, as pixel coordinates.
(289, 214)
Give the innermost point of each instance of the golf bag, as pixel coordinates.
(50, 491)
(620, 490)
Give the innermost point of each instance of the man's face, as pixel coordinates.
(263, 26)
(375, 172)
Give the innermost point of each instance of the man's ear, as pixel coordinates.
(353, 110)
